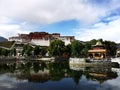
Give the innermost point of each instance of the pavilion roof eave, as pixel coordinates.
(92, 51)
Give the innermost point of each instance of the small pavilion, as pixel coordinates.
(97, 52)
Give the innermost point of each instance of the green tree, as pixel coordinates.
(111, 47)
(0, 51)
(87, 46)
(5, 52)
(27, 49)
(13, 52)
(36, 50)
(43, 51)
(93, 41)
(77, 48)
(67, 51)
(56, 48)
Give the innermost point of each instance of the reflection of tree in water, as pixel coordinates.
(27, 66)
(38, 71)
(39, 66)
(76, 75)
(24, 69)
(36, 67)
(58, 70)
(4, 67)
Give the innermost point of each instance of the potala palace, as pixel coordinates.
(41, 38)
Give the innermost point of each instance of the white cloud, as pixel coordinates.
(49, 11)
(8, 28)
(109, 31)
(4, 20)
(42, 12)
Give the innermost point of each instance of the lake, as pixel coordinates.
(39, 75)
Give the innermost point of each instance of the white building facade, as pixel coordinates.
(41, 38)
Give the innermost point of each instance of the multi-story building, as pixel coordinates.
(41, 38)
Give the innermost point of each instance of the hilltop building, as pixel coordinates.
(98, 51)
(41, 38)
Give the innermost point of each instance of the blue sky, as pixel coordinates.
(63, 27)
(84, 19)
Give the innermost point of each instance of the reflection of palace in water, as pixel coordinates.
(38, 71)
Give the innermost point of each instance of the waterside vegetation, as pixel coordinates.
(57, 48)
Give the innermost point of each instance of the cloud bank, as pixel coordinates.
(17, 16)
(50, 11)
(106, 31)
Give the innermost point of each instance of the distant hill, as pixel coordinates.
(3, 39)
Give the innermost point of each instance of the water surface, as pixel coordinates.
(37, 75)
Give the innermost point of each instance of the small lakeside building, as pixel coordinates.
(97, 52)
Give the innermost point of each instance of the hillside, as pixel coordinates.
(2, 39)
(7, 44)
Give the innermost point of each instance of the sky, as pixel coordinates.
(84, 19)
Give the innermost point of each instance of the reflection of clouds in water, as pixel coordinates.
(6, 85)
(113, 84)
(11, 83)
(7, 82)
(5, 77)
(85, 84)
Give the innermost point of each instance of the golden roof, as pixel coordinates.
(99, 43)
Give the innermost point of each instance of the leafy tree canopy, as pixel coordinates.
(56, 48)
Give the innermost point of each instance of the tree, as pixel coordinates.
(67, 51)
(56, 48)
(87, 46)
(0, 51)
(4, 52)
(13, 52)
(36, 50)
(111, 47)
(27, 49)
(93, 41)
(77, 47)
(43, 51)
